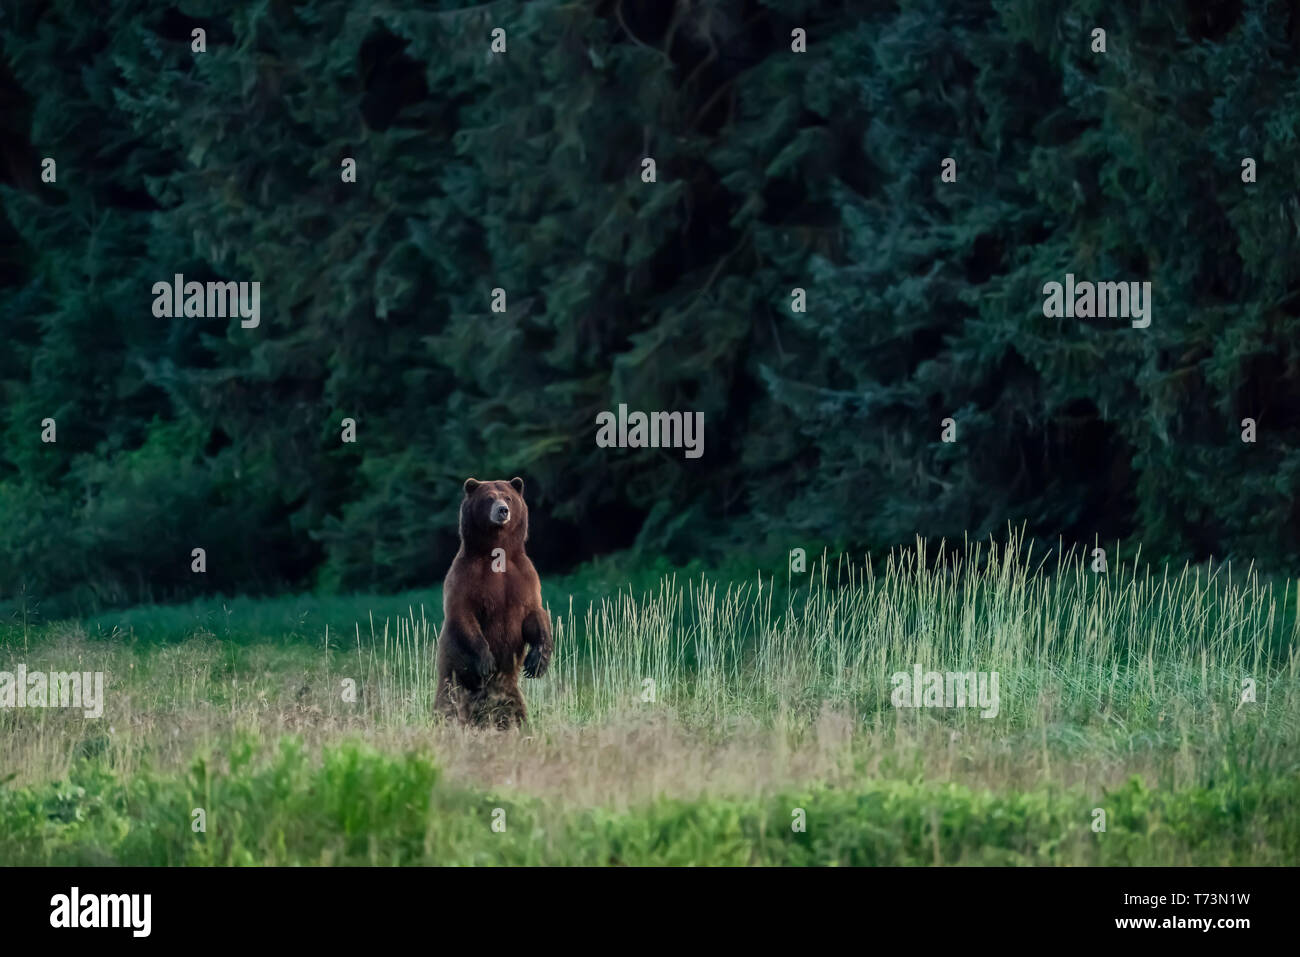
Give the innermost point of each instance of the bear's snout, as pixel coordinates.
(500, 513)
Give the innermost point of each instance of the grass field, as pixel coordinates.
(687, 720)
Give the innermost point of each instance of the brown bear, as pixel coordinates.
(492, 610)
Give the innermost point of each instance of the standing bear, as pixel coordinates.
(492, 610)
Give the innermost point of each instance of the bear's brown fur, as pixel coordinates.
(492, 610)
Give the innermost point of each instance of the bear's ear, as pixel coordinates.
(471, 484)
(517, 484)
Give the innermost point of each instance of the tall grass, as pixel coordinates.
(1069, 643)
(697, 684)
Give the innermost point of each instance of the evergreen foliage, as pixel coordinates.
(522, 171)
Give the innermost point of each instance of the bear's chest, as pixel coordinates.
(495, 599)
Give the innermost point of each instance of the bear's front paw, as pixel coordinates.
(535, 664)
(487, 664)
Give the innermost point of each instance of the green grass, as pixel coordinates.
(682, 722)
(361, 806)
(306, 617)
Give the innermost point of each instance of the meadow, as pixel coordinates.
(1147, 715)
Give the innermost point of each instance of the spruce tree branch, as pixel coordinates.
(618, 13)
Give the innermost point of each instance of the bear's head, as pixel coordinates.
(493, 514)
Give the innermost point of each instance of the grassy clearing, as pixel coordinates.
(708, 706)
(358, 805)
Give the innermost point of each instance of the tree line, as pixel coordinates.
(521, 170)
